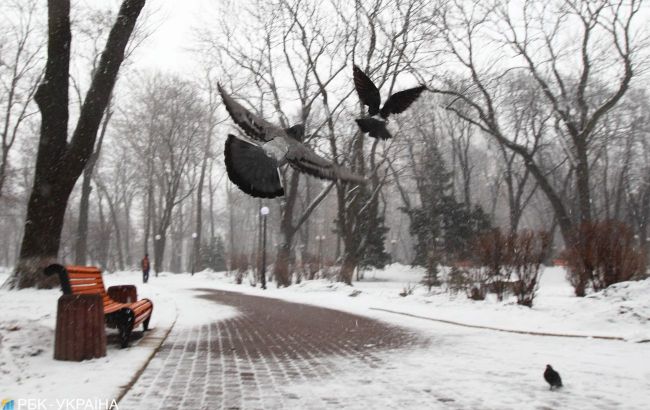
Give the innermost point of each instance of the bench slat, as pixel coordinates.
(89, 291)
(74, 276)
(82, 269)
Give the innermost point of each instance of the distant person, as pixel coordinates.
(145, 268)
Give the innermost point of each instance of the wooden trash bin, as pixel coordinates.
(80, 329)
(123, 293)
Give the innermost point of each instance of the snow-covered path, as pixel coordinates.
(457, 368)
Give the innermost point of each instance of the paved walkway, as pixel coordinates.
(276, 355)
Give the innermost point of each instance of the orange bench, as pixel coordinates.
(125, 317)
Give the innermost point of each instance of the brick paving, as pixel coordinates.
(278, 355)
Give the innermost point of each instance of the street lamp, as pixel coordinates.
(393, 245)
(194, 236)
(263, 211)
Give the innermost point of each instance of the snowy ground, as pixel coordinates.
(27, 367)
(474, 368)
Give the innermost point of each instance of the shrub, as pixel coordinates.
(526, 251)
(602, 253)
(491, 256)
(508, 263)
(310, 265)
(476, 284)
(457, 279)
(431, 275)
(407, 290)
(239, 264)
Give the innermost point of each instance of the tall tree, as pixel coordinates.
(60, 162)
(20, 72)
(565, 74)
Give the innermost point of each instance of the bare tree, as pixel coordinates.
(537, 35)
(20, 72)
(169, 145)
(60, 162)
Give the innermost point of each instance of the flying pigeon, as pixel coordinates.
(252, 162)
(552, 377)
(375, 122)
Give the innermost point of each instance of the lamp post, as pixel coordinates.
(393, 246)
(264, 211)
(194, 236)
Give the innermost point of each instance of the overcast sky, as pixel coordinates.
(174, 23)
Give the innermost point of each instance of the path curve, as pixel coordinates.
(253, 360)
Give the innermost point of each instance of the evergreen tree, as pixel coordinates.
(441, 225)
(374, 253)
(213, 254)
(370, 235)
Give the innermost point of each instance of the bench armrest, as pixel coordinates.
(64, 279)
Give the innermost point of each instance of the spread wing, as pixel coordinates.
(368, 92)
(254, 126)
(400, 101)
(305, 160)
(251, 170)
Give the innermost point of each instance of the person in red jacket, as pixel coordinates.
(145, 268)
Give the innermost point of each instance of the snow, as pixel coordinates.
(27, 367)
(465, 367)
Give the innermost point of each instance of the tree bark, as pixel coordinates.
(350, 263)
(59, 163)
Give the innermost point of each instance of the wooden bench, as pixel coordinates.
(123, 315)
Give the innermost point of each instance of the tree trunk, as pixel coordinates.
(159, 252)
(350, 262)
(196, 242)
(81, 246)
(118, 233)
(281, 270)
(59, 163)
(127, 231)
(148, 211)
(41, 240)
(582, 181)
(105, 236)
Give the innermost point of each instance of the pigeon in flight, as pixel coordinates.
(552, 377)
(252, 162)
(375, 122)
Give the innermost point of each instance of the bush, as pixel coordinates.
(491, 257)
(240, 265)
(602, 253)
(431, 275)
(457, 279)
(526, 251)
(476, 284)
(508, 264)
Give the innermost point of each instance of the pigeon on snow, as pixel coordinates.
(252, 163)
(552, 377)
(375, 122)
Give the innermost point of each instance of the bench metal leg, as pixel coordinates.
(145, 323)
(125, 326)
